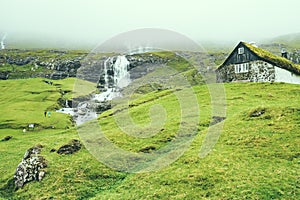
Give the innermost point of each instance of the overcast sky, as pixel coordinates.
(99, 20)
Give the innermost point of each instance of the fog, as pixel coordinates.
(90, 22)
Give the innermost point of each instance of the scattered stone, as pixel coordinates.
(6, 138)
(257, 113)
(30, 168)
(72, 147)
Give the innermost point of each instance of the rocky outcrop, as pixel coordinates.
(20, 61)
(146, 59)
(61, 68)
(56, 64)
(40, 63)
(30, 168)
(141, 64)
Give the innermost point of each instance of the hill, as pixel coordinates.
(291, 40)
(290, 43)
(256, 157)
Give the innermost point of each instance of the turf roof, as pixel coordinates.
(273, 59)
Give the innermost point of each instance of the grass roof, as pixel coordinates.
(274, 59)
(270, 58)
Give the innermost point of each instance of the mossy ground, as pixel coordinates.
(255, 157)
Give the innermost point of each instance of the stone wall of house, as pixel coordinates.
(259, 71)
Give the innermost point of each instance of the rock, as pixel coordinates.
(6, 138)
(4, 75)
(30, 167)
(103, 106)
(32, 150)
(72, 147)
(257, 112)
(147, 149)
(217, 119)
(62, 63)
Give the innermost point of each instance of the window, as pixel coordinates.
(241, 50)
(241, 68)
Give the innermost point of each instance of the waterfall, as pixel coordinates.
(66, 104)
(2, 42)
(105, 73)
(116, 77)
(121, 75)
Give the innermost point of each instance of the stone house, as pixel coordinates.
(248, 63)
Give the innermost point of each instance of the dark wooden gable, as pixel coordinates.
(235, 57)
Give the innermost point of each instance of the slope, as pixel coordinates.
(256, 157)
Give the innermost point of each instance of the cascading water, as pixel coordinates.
(116, 76)
(2, 42)
(67, 104)
(121, 75)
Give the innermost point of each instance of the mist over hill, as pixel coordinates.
(38, 41)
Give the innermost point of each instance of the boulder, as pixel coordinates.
(72, 147)
(30, 168)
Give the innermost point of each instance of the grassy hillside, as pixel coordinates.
(292, 40)
(290, 43)
(255, 157)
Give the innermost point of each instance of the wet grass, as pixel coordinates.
(256, 157)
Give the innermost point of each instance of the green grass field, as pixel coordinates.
(254, 158)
